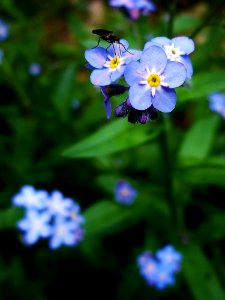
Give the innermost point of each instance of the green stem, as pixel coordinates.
(207, 19)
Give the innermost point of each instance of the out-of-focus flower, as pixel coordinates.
(152, 81)
(124, 192)
(75, 104)
(134, 8)
(217, 103)
(49, 216)
(30, 198)
(35, 69)
(34, 226)
(177, 49)
(158, 270)
(109, 65)
(4, 30)
(1, 55)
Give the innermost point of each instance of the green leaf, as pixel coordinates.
(203, 84)
(9, 217)
(200, 275)
(116, 136)
(185, 22)
(105, 216)
(199, 139)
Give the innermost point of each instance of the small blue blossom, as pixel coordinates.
(176, 49)
(152, 81)
(29, 198)
(124, 192)
(217, 103)
(1, 55)
(109, 65)
(158, 270)
(57, 205)
(4, 30)
(35, 225)
(35, 69)
(134, 8)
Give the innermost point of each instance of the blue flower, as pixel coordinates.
(217, 103)
(135, 8)
(4, 30)
(177, 49)
(169, 257)
(34, 69)
(158, 270)
(57, 205)
(30, 198)
(153, 80)
(35, 225)
(124, 192)
(109, 65)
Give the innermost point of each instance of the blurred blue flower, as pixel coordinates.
(159, 269)
(49, 216)
(153, 80)
(109, 65)
(34, 226)
(35, 69)
(177, 49)
(29, 198)
(1, 55)
(134, 8)
(217, 103)
(124, 192)
(4, 30)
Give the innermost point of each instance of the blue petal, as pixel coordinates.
(184, 43)
(100, 77)
(132, 55)
(148, 44)
(116, 49)
(140, 97)
(186, 61)
(155, 58)
(117, 74)
(132, 73)
(162, 40)
(164, 99)
(174, 74)
(96, 57)
(108, 107)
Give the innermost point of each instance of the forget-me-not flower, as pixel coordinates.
(124, 192)
(34, 69)
(217, 103)
(158, 270)
(152, 81)
(109, 64)
(134, 8)
(177, 49)
(4, 30)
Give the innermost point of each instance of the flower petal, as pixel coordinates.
(132, 56)
(133, 72)
(96, 57)
(117, 73)
(164, 99)
(140, 97)
(174, 74)
(100, 77)
(149, 44)
(184, 43)
(117, 49)
(162, 40)
(186, 61)
(155, 58)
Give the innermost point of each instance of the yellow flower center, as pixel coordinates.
(114, 62)
(153, 80)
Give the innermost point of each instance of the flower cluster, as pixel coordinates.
(49, 216)
(217, 103)
(158, 270)
(134, 8)
(125, 193)
(152, 75)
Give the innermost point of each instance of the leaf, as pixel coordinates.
(105, 216)
(200, 275)
(114, 137)
(199, 139)
(184, 22)
(9, 217)
(203, 84)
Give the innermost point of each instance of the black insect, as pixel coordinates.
(108, 36)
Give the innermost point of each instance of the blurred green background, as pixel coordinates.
(54, 135)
